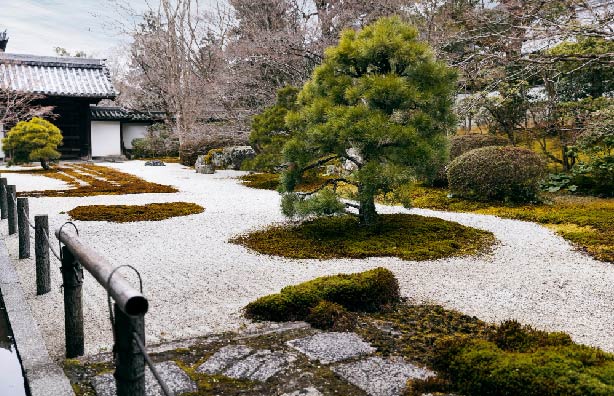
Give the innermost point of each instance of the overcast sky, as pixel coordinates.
(38, 26)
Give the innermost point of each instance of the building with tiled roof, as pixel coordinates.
(74, 86)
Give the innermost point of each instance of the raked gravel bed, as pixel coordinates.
(197, 282)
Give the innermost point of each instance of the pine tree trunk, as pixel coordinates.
(44, 164)
(367, 214)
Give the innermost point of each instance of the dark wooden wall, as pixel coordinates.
(73, 119)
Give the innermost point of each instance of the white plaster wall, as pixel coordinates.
(106, 138)
(133, 131)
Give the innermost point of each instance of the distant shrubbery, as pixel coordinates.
(518, 360)
(367, 291)
(158, 142)
(509, 174)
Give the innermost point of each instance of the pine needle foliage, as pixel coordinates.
(34, 140)
(380, 102)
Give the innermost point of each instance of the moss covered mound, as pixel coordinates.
(409, 237)
(270, 181)
(526, 362)
(130, 213)
(367, 291)
(88, 180)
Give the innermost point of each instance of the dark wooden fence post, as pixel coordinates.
(72, 278)
(11, 194)
(130, 363)
(41, 252)
(3, 202)
(23, 221)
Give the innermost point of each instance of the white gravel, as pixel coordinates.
(197, 282)
(25, 182)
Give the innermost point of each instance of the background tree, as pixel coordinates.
(379, 101)
(34, 140)
(270, 132)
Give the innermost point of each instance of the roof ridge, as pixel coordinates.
(6, 57)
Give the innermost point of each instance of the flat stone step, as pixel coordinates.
(173, 376)
(241, 362)
(332, 347)
(381, 377)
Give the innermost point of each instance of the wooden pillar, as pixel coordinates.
(3, 202)
(11, 194)
(129, 362)
(72, 278)
(23, 214)
(41, 252)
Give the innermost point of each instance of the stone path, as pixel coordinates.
(345, 354)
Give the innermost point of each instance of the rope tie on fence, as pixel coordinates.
(140, 344)
(60, 233)
(51, 246)
(25, 215)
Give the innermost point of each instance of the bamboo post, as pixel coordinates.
(41, 252)
(3, 202)
(23, 213)
(11, 194)
(72, 277)
(129, 362)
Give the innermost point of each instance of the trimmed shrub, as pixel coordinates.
(510, 174)
(367, 291)
(331, 316)
(545, 365)
(158, 142)
(461, 144)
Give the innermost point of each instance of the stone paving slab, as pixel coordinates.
(311, 391)
(173, 376)
(238, 361)
(224, 358)
(332, 347)
(260, 366)
(381, 377)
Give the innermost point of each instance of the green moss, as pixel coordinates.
(271, 181)
(409, 237)
(585, 221)
(367, 291)
(130, 213)
(544, 365)
(88, 180)
(327, 315)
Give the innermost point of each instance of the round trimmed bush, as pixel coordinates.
(510, 174)
(463, 143)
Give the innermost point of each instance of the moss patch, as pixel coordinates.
(366, 291)
(409, 237)
(89, 180)
(585, 221)
(130, 213)
(270, 181)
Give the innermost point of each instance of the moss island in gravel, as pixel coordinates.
(130, 213)
(409, 237)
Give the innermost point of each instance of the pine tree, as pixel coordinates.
(380, 102)
(34, 140)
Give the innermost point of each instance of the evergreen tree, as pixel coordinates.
(34, 140)
(380, 102)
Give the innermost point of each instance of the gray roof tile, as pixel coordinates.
(77, 77)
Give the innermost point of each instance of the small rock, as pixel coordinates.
(311, 391)
(173, 376)
(260, 366)
(155, 163)
(331, 347)
(379, 377)
(224, 358)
